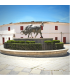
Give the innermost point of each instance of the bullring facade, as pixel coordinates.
(55, 30)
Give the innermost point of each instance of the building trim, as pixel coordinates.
(20, 23)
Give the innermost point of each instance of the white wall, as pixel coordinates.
(47, 32)
(5, 33)
(50, 28)
(50, 32)
(0, 39)
(17, 27)
(4, 30)
(17, 30)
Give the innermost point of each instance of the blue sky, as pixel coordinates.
(27, 13)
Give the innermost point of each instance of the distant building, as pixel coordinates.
(56, 30)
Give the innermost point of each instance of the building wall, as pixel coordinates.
(17, 30)
(47, 32)
(4, 30)
(50, 32)
(4, 33)
(0, 39)
(6, 37)
(50, 28)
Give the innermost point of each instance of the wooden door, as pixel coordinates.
(3, 40)
(64, 40)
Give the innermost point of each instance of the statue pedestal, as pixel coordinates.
(37, 40)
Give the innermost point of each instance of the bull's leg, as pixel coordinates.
(31, 35)
(36, 35)
(28, 35)
(41, 35)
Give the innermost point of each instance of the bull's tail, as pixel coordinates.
(42, 24)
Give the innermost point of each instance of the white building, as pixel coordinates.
(55, 30)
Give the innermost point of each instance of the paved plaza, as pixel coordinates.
(14, 65)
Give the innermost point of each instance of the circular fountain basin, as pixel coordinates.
(35, 53)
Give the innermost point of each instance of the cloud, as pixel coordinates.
(29, 18)
(65, 18)
(26, 19)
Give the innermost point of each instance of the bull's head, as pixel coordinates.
(23, 32)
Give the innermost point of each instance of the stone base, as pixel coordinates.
(35, 53)
(37, 40)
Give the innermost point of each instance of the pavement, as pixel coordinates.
(14, 65)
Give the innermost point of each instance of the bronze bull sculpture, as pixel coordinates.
(31, 28)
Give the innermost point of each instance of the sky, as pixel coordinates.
(28, 13)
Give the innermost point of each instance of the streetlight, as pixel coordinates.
(61, 36)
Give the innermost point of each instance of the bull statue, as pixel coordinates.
(31, 28)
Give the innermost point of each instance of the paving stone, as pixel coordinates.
(33, 74)
(46, 63)
(69, 69)
(26, 70)
(13, 73)
(65, 68)
(65, 73)
(45, 72)
(18, 69)
(3, 66)
(35, 71)
(4, 72)
(41, 68)
(60, 70)
(23, 73)
(57, 73)
(10, 67)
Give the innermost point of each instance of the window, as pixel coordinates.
(56, 27)
(41, 27)
(21, 27)
(9, 38)
(21, 37)
(8, 28)
(13, 35)
(40, 37)
(56, 38)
